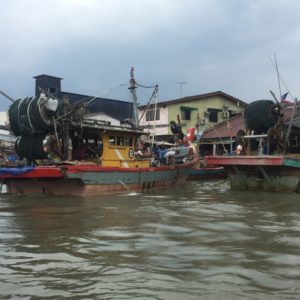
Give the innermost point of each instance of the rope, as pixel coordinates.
(103, 93)
(224, 148)
(146, 86)
(149, 102)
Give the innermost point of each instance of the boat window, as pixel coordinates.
(128, 141)
(120, 141)
(111, 140)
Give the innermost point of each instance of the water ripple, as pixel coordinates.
(198, 242)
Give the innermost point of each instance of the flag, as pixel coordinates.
(190, 134)
(283, 97)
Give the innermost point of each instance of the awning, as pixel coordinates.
(186, 108)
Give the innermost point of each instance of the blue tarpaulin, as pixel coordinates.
(15, 171)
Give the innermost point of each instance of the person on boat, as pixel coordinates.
(159, 153)
(147, 150)
(51, 148)
(264, 147)
(81, 151)
(239, 150)
(143, 149)
(70, 149)
(189, 144)
(176, 130)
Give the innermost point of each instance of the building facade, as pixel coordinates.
(201, 111)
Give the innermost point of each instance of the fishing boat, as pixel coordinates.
(68, 154)
(268, 153)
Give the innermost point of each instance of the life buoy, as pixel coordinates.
(131, 153)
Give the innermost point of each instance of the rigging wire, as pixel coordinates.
(294, 106)
(105, 92)
(281, 78)
(155, 111)
(278, 78)
(92, 99)
(149, 102)
(214, 129)
(146, 86)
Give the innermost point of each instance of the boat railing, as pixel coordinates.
(262, 147)
(102, 124)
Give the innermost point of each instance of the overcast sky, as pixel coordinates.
(210, 45)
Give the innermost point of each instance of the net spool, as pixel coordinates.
(31, 147)
(32, 115)
(261, 115)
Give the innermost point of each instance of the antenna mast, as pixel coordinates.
(132, 88)
(278, 76)
(180, 83)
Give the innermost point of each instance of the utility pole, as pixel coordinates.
(132, 88)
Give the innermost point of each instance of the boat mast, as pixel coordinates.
(132, 88)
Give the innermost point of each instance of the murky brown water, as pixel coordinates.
(202, 241)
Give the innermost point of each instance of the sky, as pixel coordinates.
(187, 47)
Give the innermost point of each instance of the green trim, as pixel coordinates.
(292, 162)
(186, 108)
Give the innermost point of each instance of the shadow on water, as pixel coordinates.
(198, 240)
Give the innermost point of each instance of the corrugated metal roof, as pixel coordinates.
(225, 129)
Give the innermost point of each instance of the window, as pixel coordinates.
(120, 141)
(128, 141)
(111, 140)
(186, 112)
(151, 113)
(185, 115)
(51, 90)
(213, 114)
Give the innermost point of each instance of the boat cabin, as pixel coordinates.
(106, 145)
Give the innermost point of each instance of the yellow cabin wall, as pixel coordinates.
(118, 156)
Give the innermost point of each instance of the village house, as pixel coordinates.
(201, 111)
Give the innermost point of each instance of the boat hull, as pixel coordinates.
(264, 173)
(96, 180)
(204, 173)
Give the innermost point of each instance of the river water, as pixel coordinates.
(197, 241)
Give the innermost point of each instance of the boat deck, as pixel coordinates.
(265, 160)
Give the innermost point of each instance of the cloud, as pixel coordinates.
(210, 44)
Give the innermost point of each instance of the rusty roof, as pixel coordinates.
(225, 129)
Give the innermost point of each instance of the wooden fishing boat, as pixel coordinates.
(270, 156)
(68, 154)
